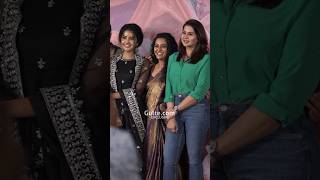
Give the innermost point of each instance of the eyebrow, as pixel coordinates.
(188, 31)
(123, 35)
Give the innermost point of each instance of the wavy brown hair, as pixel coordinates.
(202, 46)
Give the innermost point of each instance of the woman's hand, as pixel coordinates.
(16, 108)
(172, 125)
(170, 113)
(116, 95)
(314, 108)
(149, 58)
(163, 107)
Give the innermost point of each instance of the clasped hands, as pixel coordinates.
(171, 120)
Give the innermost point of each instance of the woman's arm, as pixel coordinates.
(251, 126)
(16, 108)
(168, 89)
(203, 82)
(297, 77)
(187, 102)
(116, 95)
(170, 105)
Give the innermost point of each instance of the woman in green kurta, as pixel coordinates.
(266, 59)
(187, 82)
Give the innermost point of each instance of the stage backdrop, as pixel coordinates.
(155, 16)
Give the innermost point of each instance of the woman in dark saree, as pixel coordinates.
(129, 73)
(162, 47)
(52, 84)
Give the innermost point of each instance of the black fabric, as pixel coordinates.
(47, 41)
(46, 38)
(5, 94)
(94, 93)
(55, 166)
(124, 79)
(125, 74)
(43, 37)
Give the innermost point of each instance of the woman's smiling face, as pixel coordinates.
(160, 49)
(188, 37)
(128, 41)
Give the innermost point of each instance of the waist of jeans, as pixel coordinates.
(225, 114)
(228, 113)
(180, 97)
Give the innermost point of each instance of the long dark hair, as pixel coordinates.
(202, 46)
(172, 46)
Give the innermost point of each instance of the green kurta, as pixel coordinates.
(269, 57)
(186, 78)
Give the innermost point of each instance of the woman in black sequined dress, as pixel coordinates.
(129, 73)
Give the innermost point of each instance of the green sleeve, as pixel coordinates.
(168, 91)
(203, 82)
(298, 70)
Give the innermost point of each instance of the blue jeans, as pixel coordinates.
(193, 125)
(290, 153)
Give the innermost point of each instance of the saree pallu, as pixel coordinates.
(154, 142)
(155, 132)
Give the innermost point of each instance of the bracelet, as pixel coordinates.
(176, 109)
